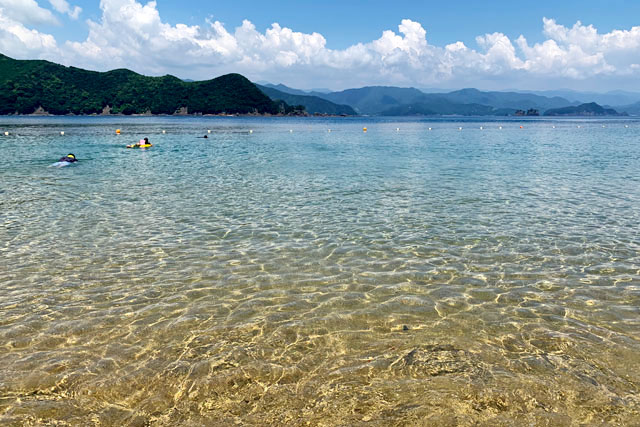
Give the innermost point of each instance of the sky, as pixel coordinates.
(499, 45)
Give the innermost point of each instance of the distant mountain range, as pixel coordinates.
(616, 98)
(394, 101)
(312, 104)
(633, 109)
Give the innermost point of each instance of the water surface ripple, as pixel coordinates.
(294, 275)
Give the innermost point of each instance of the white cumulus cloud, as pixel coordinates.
(27, 12)
(132, 34)
(21, 42)
(63, 7)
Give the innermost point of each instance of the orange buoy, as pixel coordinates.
(117, 131)
(364, 129)
(521, 127)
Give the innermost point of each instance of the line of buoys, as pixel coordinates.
(364, 129)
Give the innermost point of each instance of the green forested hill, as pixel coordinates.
(27, 85)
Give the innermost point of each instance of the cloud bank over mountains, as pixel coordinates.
(133, 35)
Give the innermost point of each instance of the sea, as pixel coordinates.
(304, 271)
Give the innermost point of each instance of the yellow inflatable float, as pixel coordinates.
(143, 143)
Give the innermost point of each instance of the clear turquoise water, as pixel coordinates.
(295, 275)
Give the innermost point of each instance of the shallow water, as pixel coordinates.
(294, 275)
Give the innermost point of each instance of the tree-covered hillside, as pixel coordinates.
(28, 85)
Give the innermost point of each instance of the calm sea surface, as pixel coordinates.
(281, 273)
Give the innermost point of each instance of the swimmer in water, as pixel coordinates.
(69, 158)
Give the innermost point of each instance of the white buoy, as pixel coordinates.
(329, 130)
(429, 128)
(251, 131)
(626, 126)
(209, 131)
(553, 127)
(397, 129)
(290, 130)
(164, 131)
(578, 126)
(460, 128)
(6, 134)
(603, 126)
(62, 133)
(480, 127)
(500, 127)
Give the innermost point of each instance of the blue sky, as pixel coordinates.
(344, 23)
(588, 45)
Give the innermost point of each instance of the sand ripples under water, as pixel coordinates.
(406, 277)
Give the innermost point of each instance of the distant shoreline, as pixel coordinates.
(440, 116)
(170, 115)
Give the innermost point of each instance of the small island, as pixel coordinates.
(589, 109)
(529, 112)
